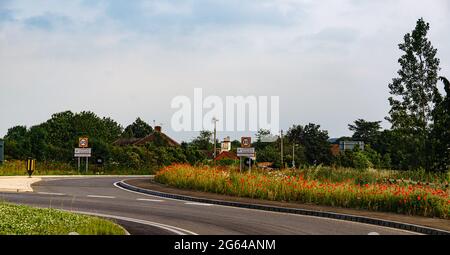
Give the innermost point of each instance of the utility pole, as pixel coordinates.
(215, 121)
(282, 161)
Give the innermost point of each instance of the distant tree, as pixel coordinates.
(259, 143)
(235, 144)
(414, 92)
(366, 131)
(38, 142)
(138, 129)
(17, 143)
(440, 133)
(314, 141)
(203, 141)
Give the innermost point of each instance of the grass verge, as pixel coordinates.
(17, 168)
(26, 220)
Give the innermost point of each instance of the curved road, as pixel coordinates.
(144, 214)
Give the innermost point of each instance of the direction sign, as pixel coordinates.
(83, 142)
(245, 152)
(246, 142)
(82, 152)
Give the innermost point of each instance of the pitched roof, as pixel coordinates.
(227, 155)
(152, 137)
(147, 139)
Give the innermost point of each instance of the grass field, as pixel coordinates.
(381, 191)
(25, 220)
(17, 168)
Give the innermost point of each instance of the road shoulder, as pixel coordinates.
(17, 183)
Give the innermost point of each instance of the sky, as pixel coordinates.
(329, 61)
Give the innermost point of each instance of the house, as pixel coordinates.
(157, 134)
(225, 150)
(350, 145)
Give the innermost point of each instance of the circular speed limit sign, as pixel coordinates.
(83, 142)
(246, 142)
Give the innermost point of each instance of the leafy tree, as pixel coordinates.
(203, 141)
(414, 92)
(366, 131)
(17, 143)
(440, 133)
(193, 156)
(314, 140)
(138, 129)
(38, 142)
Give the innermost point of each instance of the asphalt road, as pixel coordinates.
(143, 214)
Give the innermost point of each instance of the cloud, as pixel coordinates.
(329, 61)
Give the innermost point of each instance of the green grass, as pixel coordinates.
(17, 168)
(25, 220)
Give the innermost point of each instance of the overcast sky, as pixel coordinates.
(330, 61)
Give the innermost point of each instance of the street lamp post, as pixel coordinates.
(282, 156)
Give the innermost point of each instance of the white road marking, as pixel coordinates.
(50, 193)
(173, 229)
(194, 203)
(150, 200)
(98, 196)
(373, 234)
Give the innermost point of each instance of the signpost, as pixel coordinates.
(31, 166)
(83, 151)
(246, 151)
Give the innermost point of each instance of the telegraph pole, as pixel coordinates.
(215, 149)
(282, 161)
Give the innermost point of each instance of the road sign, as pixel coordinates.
(245, 152)
(31, 166)
(83, 142)
(246, 142)
(249, 161)
(82, 152)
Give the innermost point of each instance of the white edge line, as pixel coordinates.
(196, 203)
(176, 230)
(99, 196)
(50, 193)
(272, 212)
(149, 200)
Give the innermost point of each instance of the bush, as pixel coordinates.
(226, 162)
(361, 161)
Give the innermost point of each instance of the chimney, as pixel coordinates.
(158, 129)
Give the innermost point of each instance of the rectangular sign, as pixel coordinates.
(82, 152)
(245, 152)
